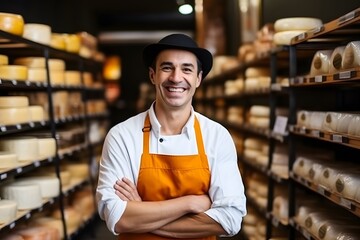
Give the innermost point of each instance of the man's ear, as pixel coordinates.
(152, 75)
(199, 79)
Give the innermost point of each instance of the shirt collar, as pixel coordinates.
(188, 129)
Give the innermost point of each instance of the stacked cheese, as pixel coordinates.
(65, 176)
(12, 23)
(49, 185)
(254, 225)
(37, 69)
(257, 78)
(96, 106)
(78, 171)
(287, 28)
(280, 162)
(257, 189)
(73, 218)
(280, 208)
(8, 160)
(234, 87)
(235, 115)
(320, 64)
(259, 116)
(37, 32)
(256, 151)
(84, 203)
(221, 64)
(12, 72)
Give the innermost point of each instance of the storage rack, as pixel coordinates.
(15, 46)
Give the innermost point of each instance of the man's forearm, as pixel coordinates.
(191, 226)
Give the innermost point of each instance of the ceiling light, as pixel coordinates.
(185, 9)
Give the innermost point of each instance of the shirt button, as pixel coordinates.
(161, 140)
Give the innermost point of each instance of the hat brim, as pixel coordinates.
(205, 57)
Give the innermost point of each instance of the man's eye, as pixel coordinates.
(164, 68)
(187, 70)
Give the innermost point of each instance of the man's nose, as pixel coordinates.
(176, 75)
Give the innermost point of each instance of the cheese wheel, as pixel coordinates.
(331, 121)
(280, 208)
(78, 170)
(47, 147)
(88, 79)
(254, 143)
(284, 38)
(8, 209)
(26, 148)
(280, 159)
(49, 186)
(331, 229)
(321, 62)
(36, 32)
(315, 172)
(336, 59)
(351, 55)
(72, 78)
(344, 120)
(251, 154)
(296, 23)
(347, 184)
(303, 118)
(260, 122)
(12, 116)
(251, 84)
(12, 23)
(8, 160)
(57, 41)
(262, 159)
(14, 72)
(26, 195)
(57, 77)
(354, 125)
(253, 72)
(4, 60)
(302, 166)
(14, 101)
(316, 120)
(37, 74)
(72, 43)
(36, 113)
(50, 222)
(72, 218)
(259, 111)
(39, 62)
(250, 219)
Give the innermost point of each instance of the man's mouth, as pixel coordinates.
(173, 89)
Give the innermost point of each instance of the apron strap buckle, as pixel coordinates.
(146, 129)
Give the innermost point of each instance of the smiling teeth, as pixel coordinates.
(176, 89)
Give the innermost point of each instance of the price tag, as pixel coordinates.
(276, 87)
(337, 138)
(280, 125)
(319, 79)
(37, 164)
(27, 83)
(345, 75)
(302, 36)
(18, 126)
(14, 82)
(28, 215)
(315, 133)
(51, 201)
(347, 17)
(346, 203)
(3, 176)
(321, 190)
(19, 170)
(12, 225)
(318, 29)
(3, 128)
(31, 124)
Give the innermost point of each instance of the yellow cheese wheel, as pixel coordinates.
(57, 77)
(8, 209)
(72, 43)
(39, 62)
(4, 60)
(12, 23)
(72, 217)
(37, 74)
(296, 23)
(72, 78)
(50, 222)
(8, 160)
(14, 72)
(36, 32)
(14, 101)
(37, 113)
(252, 72)
(88, 79)
(13, 116)
(47, 147)
(78, 170)
(57, 41)
(284, 38)
(259, 111)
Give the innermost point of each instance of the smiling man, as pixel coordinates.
(171, 172)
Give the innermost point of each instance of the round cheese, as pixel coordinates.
(331, 121)
(347, 184)
(78, 170)
(284, 38)
(14, 101)
(254, 143)
(57, 77)
(351, 55)
(14, 72)
(72, 43)
(26, 195)
(49, 186)
(259, 111)
(321, 62)
(344, 120)
(50, 222)
(72, 218)
(252, 72)
(280, 208)
(316, 120)
(12, 23)
(303, 118)
(37, 74)
(47, 147)
(40, 33)
(39, 62)
(260, 122)
(12, 116)
(296, 23)
(353, 125)
(8, 209)
(336, 59)
(88, 79)
(8, 160)
(72, 78)
(57, 41)
(4, 60)
(26, 148)
(36, 113)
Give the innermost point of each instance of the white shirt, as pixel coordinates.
(121, 157)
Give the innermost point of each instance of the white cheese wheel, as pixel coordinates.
(317, 120)
(320, 64)
(302, 166)
(78, 170)
(57, 77)
(49, 186)
(37, 74)
(354, 125)
(26, 195)
(336, 59)
(262, 159)
(315, 172)
(347, 184)
(331, 121)
(26, 148)
(344, 120)
(259, 111)
(351, 55)
(4, 60)
(14, 72)
(14, 101)
(284, 38)
(36, 32)
(57, 41)
(72, 78)
(251, 154)
(12, 116)
(8, 160)
(296, 23)
(50, 222)
(47, 147)
(8, 209)
(260, 122)
(252, 72)
(280, 208)
(12, 23)
(39, 62)
(330, 230)
(303, 118)
(37, 113)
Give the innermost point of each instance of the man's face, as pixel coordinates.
(176, 78)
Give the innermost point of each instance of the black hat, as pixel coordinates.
(179, 41)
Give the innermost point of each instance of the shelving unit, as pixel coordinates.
(15, 46)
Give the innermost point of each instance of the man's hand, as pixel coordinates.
(126, 190)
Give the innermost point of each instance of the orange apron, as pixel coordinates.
(163, 177)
